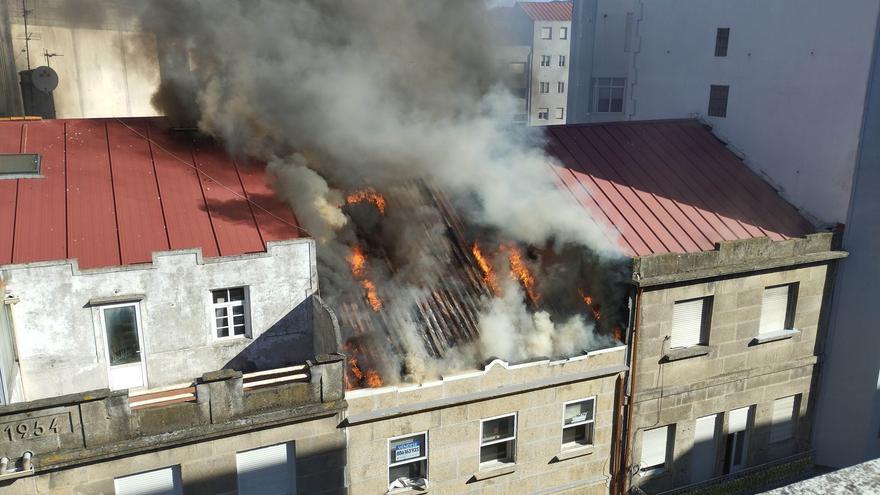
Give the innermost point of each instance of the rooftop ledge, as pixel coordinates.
(733, 257)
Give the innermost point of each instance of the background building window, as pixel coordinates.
(546, 33)
(165, 481)
(777, 309)
(721, 38)
(655, 449)
(560, 87)
(563, 33)
(543, 114)
(545, 87)
(718, 100)
(545, 60)
(562, 60)
(782, 419)
(230, 312)
(608, 93)
(737, 443)
(690, 322)
(560, 113)
(577, 423)
(498, 441)
(266, 470)
(408, 461)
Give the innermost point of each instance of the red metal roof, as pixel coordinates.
(547, 11)
(113, 191)
(668, 186)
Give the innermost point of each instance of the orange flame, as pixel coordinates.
(594, 308)
(521, 272)
(357, 377)
(358, 262)
(488, 274)
(372, 379)
(618, 334)
(369, 195)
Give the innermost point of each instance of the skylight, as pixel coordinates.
(19, 165)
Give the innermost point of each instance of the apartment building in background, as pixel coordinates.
(536, 39)
(160, 326)
(770, 88)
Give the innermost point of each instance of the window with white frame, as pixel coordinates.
(546, 33)
(408, 461)
(655, 449)
(690, 322)
(608, 94)
(498, 441)
(165, 481)
(562, 60)
(230, 312)
(577, 423)
(545, 60)
(563, 33)
(777, 309)
(560, 87)
(545, 87)
(543, 113)
(782, 419)
(560, 113)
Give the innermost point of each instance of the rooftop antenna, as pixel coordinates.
(48, 55)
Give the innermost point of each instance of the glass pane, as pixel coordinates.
(603, 81)
(122, 335)
(238, 320)
(617, 94)
(238, 330)
(499, 452)
(497, 429)
(578, 435)
(236, 294)
(404, 449)
(222, 329)
(220, 312)
(616, 105)
(238, 310)
(619, 81)
(220, 296)
(418, 469)
(578, 412)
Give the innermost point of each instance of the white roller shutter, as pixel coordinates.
(687, 323)
(738, 420)
(782, 424)
(164, 481)
(654, 447)
(703, 453)
(773, 309)
(267, 471)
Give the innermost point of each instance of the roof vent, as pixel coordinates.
(19, 166)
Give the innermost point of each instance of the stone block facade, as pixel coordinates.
(451, 410)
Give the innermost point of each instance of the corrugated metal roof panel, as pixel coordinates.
(114, 191)
(547, 11)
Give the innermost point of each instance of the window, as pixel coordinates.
(543, 114)
(122, 344)
(560, 113)
(545, 87)
(19, 165)
(546, 33)
(721, 38)
(560, 87)
(718, 100)
(165, 481)
(577, 423)
(689, 322)
(497, 441)
(777, 309)
(563, 33)
(608, 93)
(408, 461)
(562, 60)
(782, 420)
(736, 445)
(230, 315)
(266, 470)
(655, 449)
(705, 449)
(545, 60)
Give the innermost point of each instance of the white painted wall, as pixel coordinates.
(797, 71)
(554, 74)
(60, 340)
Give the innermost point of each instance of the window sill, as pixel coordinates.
(230, 341)
(774, 337)
(685, 353)
(648, 473)
(485, 474)
(572, 453)
(410, 490)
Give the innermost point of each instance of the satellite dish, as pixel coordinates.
(44, 78)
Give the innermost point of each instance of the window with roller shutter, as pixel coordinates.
(782, 420)
(777, 309)
(267, 471)
(165, 481)
(689, 323)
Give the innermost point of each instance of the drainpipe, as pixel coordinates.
(623, 480)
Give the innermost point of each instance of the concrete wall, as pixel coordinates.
(848, 411)
(61, 343)
(797, 74)
(553, 74)
(450, 411)
(733, 372)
